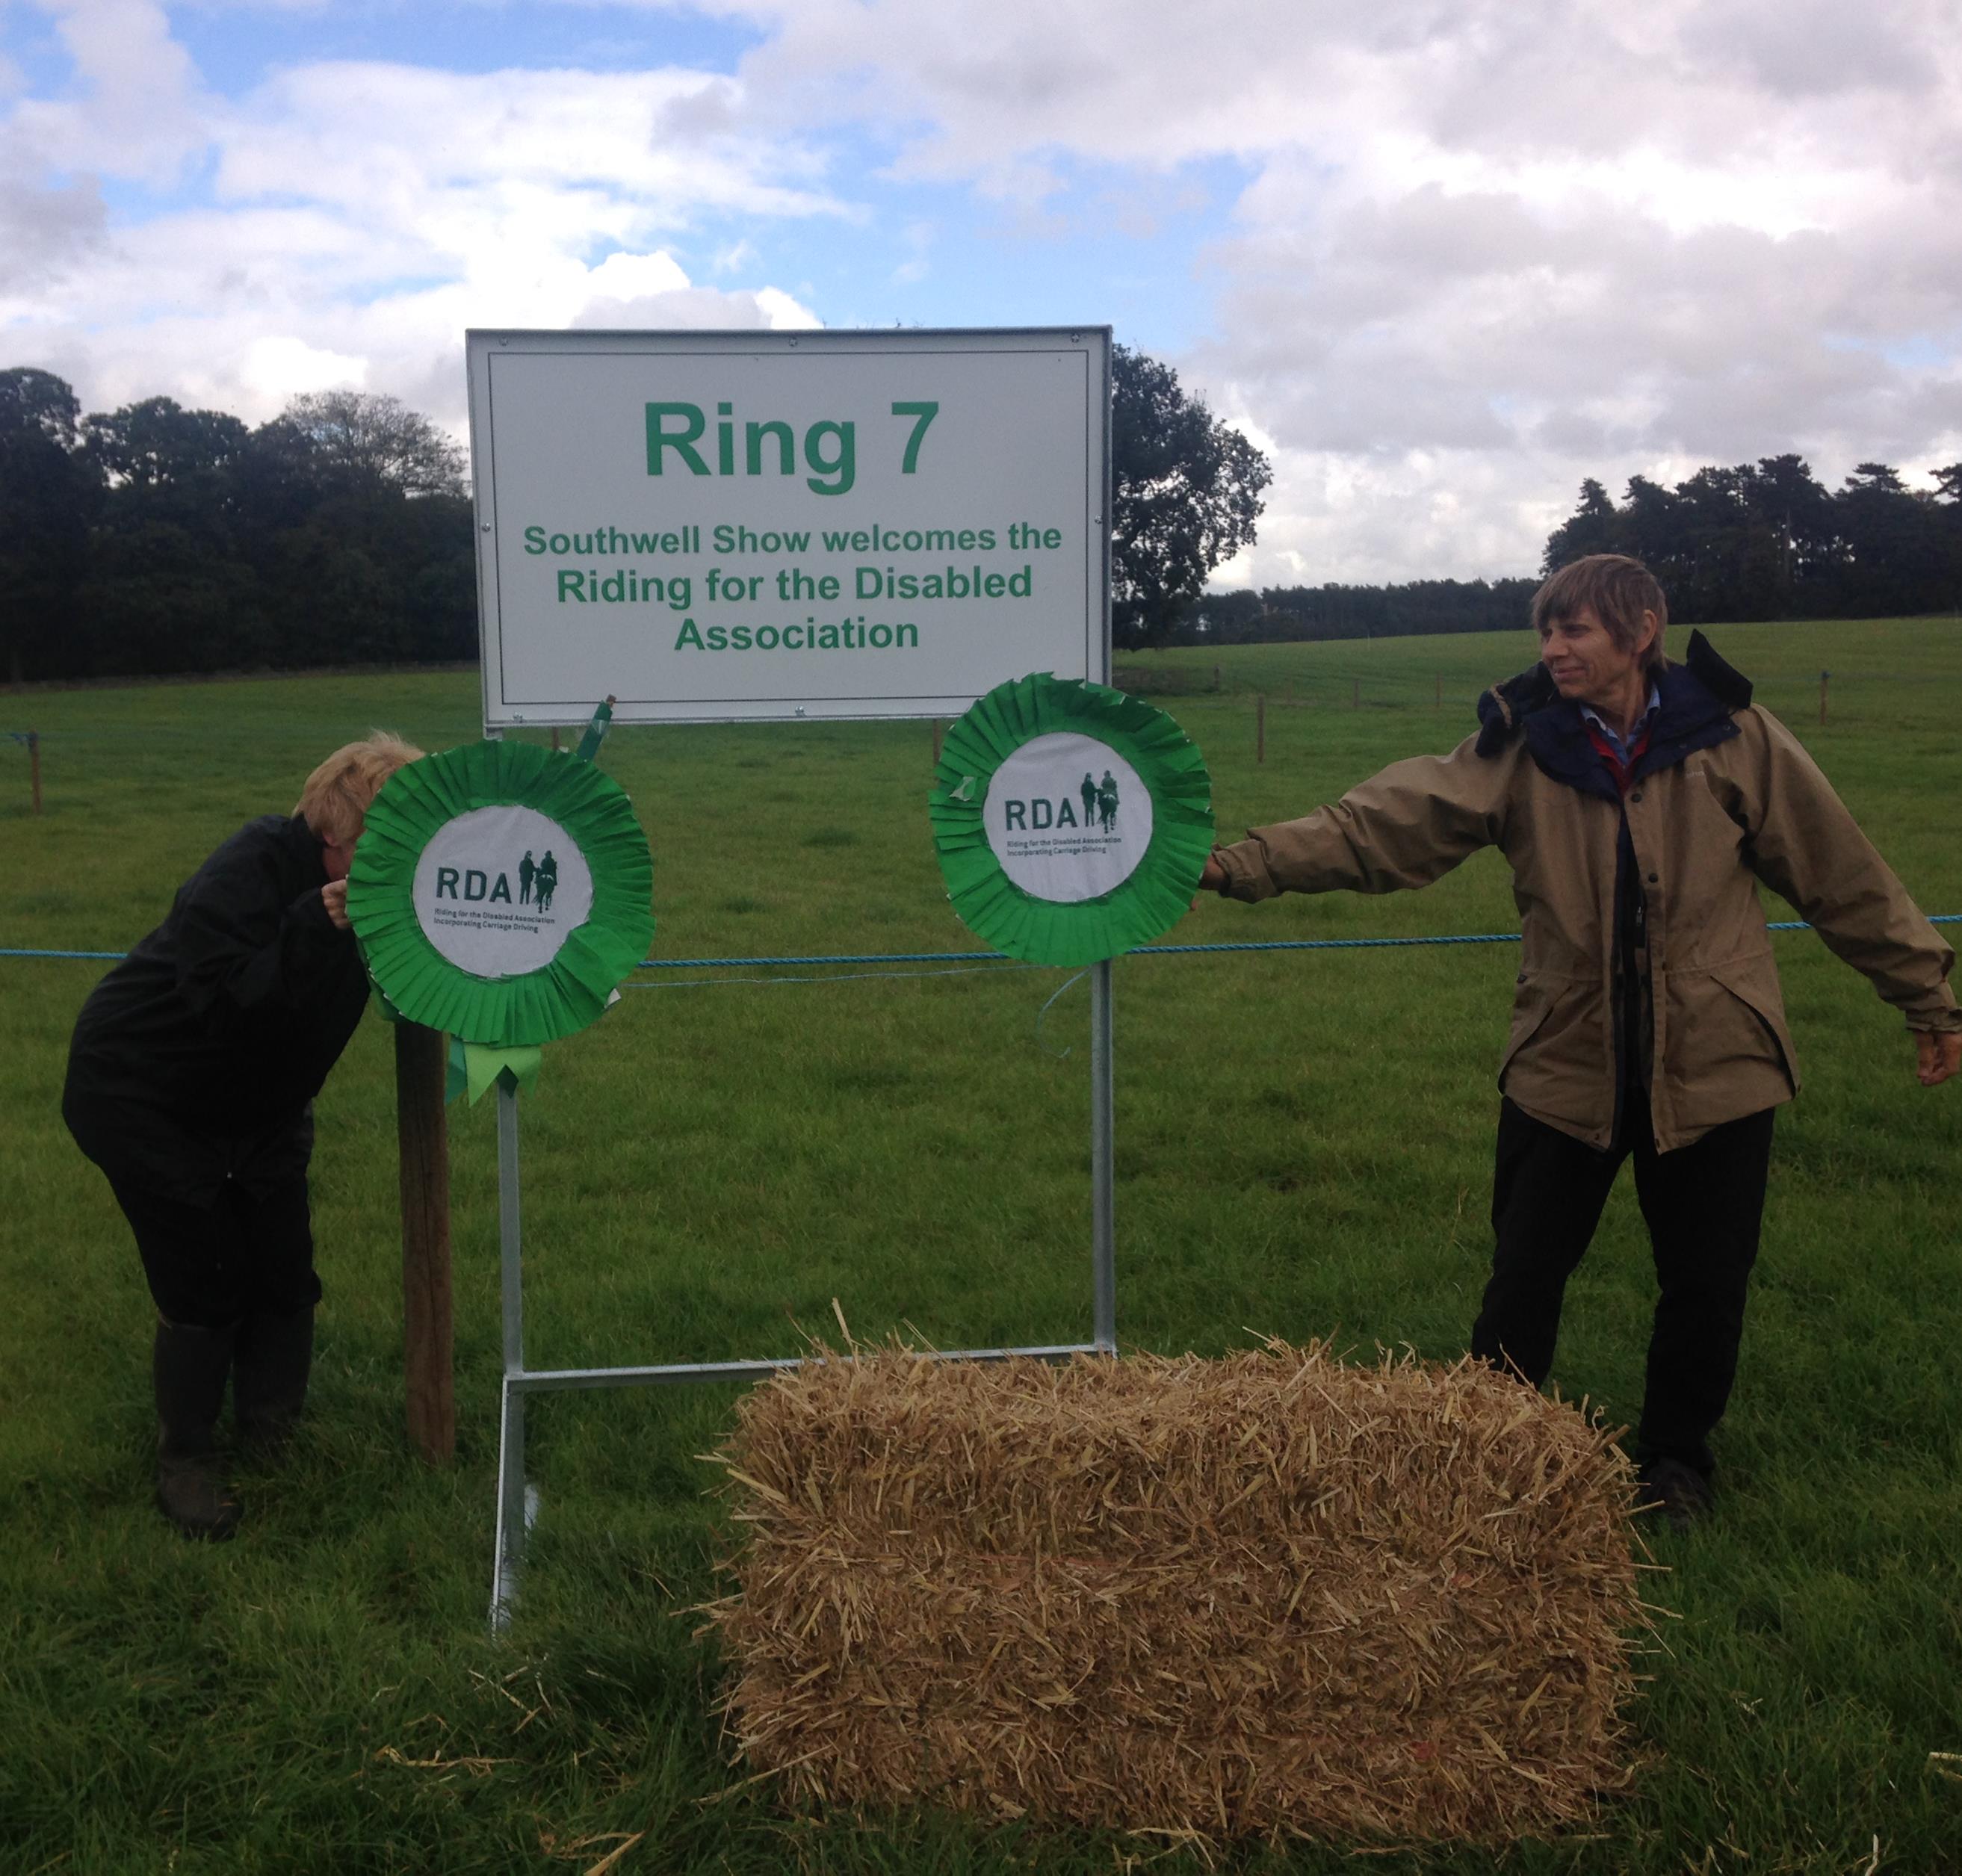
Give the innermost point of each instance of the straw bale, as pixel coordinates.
(1275, 1594)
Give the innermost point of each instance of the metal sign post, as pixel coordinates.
(1103, 1133)
(728, 527)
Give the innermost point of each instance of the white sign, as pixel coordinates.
(499, 890)
(740, 525)
(1068, 818)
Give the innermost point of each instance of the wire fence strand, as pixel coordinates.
(815, 960)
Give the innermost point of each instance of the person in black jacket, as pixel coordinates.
(191, 1083)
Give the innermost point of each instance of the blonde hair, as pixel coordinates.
(339, 793)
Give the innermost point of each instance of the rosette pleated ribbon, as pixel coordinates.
(500, 1020)
(1157, 890)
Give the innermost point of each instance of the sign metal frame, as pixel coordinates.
(508, 620)
(517, 1499)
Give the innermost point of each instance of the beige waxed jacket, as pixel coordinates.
(1704, 830)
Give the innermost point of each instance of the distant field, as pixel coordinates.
(1303, 1149)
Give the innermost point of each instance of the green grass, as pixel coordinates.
(1303, 1149)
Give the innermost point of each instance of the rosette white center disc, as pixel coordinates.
(1067, 817)
(499, 890)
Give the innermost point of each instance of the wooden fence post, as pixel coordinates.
(429, 1384)
(936, 744)
(554, 739)
(1823, 678)
(34, 765)
(1216, 677)
(1260, 727)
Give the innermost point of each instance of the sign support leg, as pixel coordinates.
(514, 1509)
(1104, 1253)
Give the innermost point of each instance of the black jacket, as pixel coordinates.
(196, 1059)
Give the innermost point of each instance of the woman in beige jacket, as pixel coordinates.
(1638, 804)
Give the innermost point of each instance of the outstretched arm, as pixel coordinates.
(1404, 827)
(1805, 844)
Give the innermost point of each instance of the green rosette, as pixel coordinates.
(1157, 892)
(517, 1010)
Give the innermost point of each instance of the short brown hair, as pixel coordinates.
(1617, 590)
(339, 793)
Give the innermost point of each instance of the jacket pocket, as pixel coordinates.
(1535, 1001)
(1729, 1051)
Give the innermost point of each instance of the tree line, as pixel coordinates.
(1766, 540)
(154, 539)
(1762, 541)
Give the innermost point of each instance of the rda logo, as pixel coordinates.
(537, 879)
(1097, 810)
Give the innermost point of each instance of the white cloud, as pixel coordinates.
(282, 367)
(136, 110)
(359, 217)
(1484, 247)
(1487, 248)
(679, 305)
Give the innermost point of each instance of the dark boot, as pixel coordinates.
(188, 1367)
(1682, 1493)
(269, 1381)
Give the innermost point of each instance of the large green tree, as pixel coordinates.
(49, 491)
(1765, 540)
(367, 437)
(153, 539)
(1186, 493)
(1593, 528)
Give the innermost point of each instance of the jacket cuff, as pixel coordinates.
(1245, 865)
(310, 909)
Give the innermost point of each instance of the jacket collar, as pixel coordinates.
(1698, 697)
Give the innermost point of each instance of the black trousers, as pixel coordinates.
(214, 1266)
(1703, 1203)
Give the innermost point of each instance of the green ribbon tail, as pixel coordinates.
(596, 732)
(476, 1067)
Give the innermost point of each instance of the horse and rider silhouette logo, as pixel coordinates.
(537, 880)
(1100, 801)
(1039, 814)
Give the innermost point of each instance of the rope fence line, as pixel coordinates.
(1002, 957)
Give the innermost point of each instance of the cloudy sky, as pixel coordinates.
(1441, 258)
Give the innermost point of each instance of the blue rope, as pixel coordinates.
(972, 957)
(12, 953)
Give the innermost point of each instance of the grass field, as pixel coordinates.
(1303, 1149)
